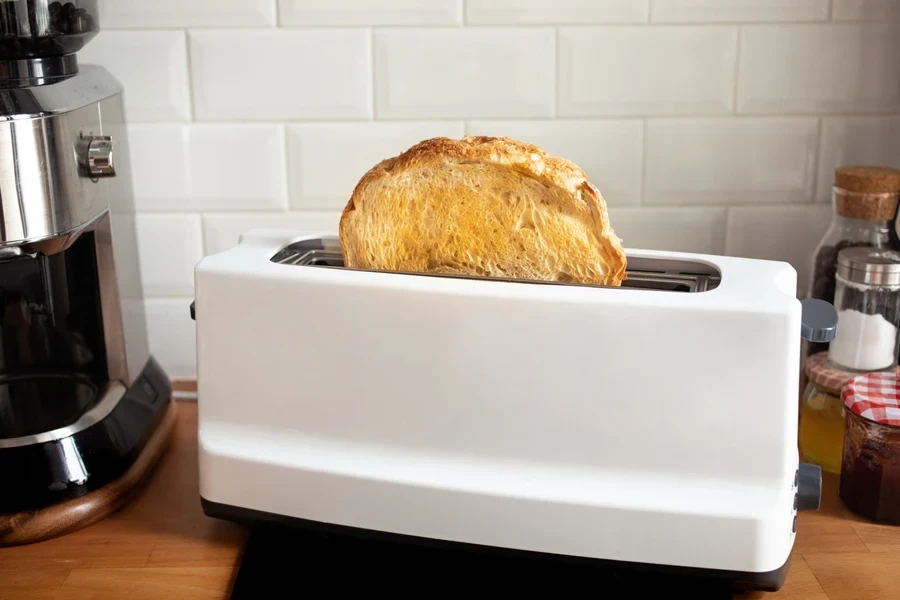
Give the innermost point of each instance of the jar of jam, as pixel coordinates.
(821, 436)
(870, 461)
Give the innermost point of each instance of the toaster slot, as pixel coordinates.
(644, 273)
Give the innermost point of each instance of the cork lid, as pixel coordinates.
(868, 180)
(867, 192)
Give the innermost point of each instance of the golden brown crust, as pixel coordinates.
(506, 151)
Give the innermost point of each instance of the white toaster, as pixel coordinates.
(652, 425)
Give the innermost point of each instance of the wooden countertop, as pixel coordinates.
(161, 545)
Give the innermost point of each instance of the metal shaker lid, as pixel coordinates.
(875, 266)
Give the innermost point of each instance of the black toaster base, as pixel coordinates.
(286, 549)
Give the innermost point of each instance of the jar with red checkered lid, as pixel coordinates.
(870, 461)
(822, 412)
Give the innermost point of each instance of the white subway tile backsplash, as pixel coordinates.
(186, 13)
(172, 336)
(208, 167)
(464, 73)
(169, 247)
(856, 141)
(505, 12)
(327, 160)
(369, 12)
(691, 229)
(610, 152)
(281, 74)
(646, 70)
(849, 67)
(731, 161)
(151, 66)
(737, 11)
(785, 233)
(709, 126)
(866, 10)
(222, 231)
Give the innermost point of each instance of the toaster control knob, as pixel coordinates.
(100, 156)
(819, 320)
(809, 487)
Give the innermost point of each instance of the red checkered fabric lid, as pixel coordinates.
(874, 396)
(825, 374)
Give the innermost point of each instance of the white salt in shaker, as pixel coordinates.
(867, 298)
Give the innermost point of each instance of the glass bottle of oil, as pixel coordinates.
(822, 413)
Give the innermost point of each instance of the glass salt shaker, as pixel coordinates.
(867, 299)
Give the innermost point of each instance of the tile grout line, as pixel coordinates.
(817, 159)
(201, 237)
(737, 70)
(497, 25)
(727, 226)
(554, 98)
(286, 167)
(606, 117)
(372, 81)
(190, 76)
(642, 199)
(723, 237)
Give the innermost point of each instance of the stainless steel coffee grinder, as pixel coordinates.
(80, 394)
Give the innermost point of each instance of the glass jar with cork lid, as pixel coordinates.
(865, 201)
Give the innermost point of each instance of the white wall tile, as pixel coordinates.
(856, 141)
(185, 13)
(173, 340)
(646, 70)
(281, 74)
(731, 161)
(327, 160)
(736, 11)
(151, 66)
(610, 152)
(785, 233)
(819, 68)
(369, 12)
(865, 10)
(208, 167)
(464, 73)
(222, 231)
(169, 246)
(699, 229)
(555, 11)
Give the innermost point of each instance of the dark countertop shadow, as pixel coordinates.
(278, 560)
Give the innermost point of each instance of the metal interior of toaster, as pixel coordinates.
(646, 273)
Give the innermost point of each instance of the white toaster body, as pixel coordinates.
(636, 424)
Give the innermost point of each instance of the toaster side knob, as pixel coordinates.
(809, 487)
(819, 321)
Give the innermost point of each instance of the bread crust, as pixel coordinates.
(556, 171)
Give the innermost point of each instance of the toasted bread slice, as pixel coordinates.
(484, 206)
